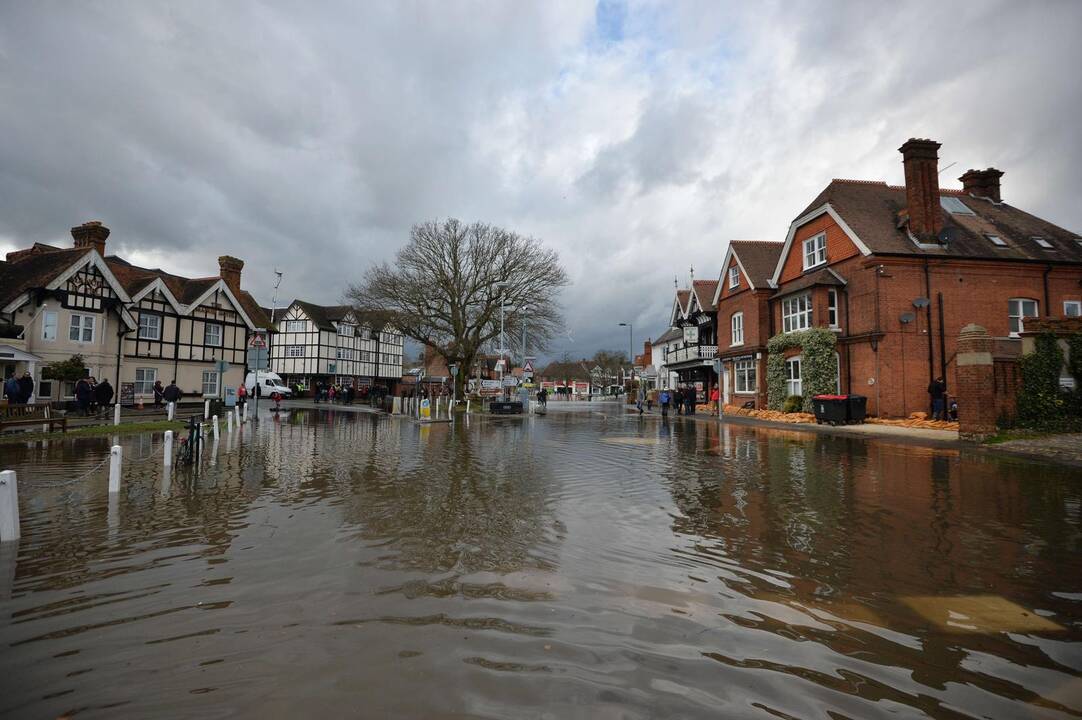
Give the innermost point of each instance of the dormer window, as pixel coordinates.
(996, 240)
(954, 206)
(345, 330)
(1041, 242)
(815, 251)
(734, 276)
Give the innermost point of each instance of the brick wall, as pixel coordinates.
(839, 246)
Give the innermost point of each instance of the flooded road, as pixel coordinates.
(582, 564)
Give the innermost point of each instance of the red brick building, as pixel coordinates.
(742, 301)
(897, 272)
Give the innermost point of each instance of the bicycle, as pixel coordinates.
(188, 451)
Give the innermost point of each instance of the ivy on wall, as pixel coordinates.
(1042, 403)
(818, 365)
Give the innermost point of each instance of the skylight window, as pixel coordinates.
(996, 240)
(954, 206)
(1042, 242)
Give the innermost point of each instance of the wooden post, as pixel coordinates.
(168, 447)
(114, 468)
(9, 506)
(116, 414)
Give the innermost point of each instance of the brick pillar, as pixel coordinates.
(976, 384)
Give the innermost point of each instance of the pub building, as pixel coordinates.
(692, 358)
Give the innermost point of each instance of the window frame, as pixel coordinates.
(343, 327)
(1021, 316)
(148, 316)
(148, 384)
(1077, 304)
(45, 325)
(996, 240)
(221, 334)
(736, 329)
(734, 277)
(832, 308)
(217, 383)
(291, 326)
(343, 353)
(818, 254)
(290, 348)
(1042, 242)
(790, 317)
(81, 327)
(743, 370)
(945, 201)
(798, 380)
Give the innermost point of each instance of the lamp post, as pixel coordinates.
(630, 354)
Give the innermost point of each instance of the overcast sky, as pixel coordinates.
(635, 138)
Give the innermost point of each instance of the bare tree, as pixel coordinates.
(445, 287)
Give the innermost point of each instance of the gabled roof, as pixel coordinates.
(324, 316)
(757, 258)
(871, 209)
(680, 306)
(34, 267)
(669, 335)
(704, 293)
(575, 370)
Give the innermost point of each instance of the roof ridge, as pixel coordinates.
(859, 182)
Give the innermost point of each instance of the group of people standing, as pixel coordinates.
(682, 400)
(92, 396)
(18, 391)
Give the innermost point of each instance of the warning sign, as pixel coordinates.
(257, 341)
(527, 367)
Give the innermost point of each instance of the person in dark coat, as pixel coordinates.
(26, 388)
(678, 400)
(83, 395)
(103, 394)
(159, 393)
(172, 392)
(937, 390)
(11, 389)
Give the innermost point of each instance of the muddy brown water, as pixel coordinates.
(583, 564)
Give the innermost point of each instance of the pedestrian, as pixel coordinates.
(678, 400)
(349, 394)
(11, 390)
(690, 396)
(83, 396)
(952, 412)
(242, 395)
(277, 398)
(171, 394)
(26, 388)
(93, 400)
(159, 393)
(663, 399)
(937, 389)
(103, 394)
(650, 399)
(715, 398)
(640, 398)
(318, 394)
(330, 394)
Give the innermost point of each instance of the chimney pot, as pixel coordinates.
(91, 234)
(920, 158)
(229, 269)
(983, 183)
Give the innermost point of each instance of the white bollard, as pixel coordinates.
(168, 447)
(206, 409)
(244, 418)
(229, 421)
(114, 468)
(467, 406)
(116, 414)
(9, 506)
(169, 409)
(214, 421)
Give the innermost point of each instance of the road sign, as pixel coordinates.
(717, 366)
(454, 370)
(528, 366)
(221, 366)
(258, 359)
(257, 340)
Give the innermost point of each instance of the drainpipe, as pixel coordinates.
(847, 331)
(928, 314)
(120, 333)
(942, 338)
(1047, 300)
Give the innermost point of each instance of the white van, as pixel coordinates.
(268, 382)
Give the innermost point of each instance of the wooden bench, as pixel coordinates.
(29, 415)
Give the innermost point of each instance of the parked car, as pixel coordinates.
(268, 382)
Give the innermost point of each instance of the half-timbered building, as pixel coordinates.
(332, 344)
(692, 358)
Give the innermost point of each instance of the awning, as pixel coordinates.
(10, 352)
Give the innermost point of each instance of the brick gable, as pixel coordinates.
(839, 246)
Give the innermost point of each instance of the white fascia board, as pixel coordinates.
(159, 284)
(824, 208)
(18, 302)
(220, 285)
(92, 258)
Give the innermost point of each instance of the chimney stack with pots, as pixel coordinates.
(229, 269)
(91, 234)
(983, 183)
(921, 161)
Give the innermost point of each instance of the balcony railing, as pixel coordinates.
(691, 352)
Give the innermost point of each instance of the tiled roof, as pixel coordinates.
(704, 290)
(669, 335)
(826, 276)
(34, 268)
(577, 370)
(758, 258)
(324, 316)
(871, 209)
(682, 297)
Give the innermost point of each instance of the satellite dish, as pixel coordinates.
(907, 317)
(921, 303)
(946, 236)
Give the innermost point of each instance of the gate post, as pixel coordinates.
(976, 384)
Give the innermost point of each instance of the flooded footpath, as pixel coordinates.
(578, 565)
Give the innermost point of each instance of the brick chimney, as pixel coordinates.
(983, 183)
(229, 269)
(921, 161)
(91, 234)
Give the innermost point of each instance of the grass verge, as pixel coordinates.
(93, 431)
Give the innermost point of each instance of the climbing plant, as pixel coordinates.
(1042, 404)
(818, 365)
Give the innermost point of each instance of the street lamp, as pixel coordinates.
(630, 354)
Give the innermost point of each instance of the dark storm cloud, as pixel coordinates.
(636, 138)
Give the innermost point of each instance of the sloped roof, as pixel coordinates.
(871, 209)
(575, 370)
(758, 258)
(825, 276)
(34, 267)
(669, 335)
(324, 316)
(704, 291)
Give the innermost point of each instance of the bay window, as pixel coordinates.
(796, 312)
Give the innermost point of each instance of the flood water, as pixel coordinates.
(581, 564)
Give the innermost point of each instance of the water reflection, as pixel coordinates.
(583, 564)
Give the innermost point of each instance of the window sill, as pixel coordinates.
(813, 267)
(739, 344)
